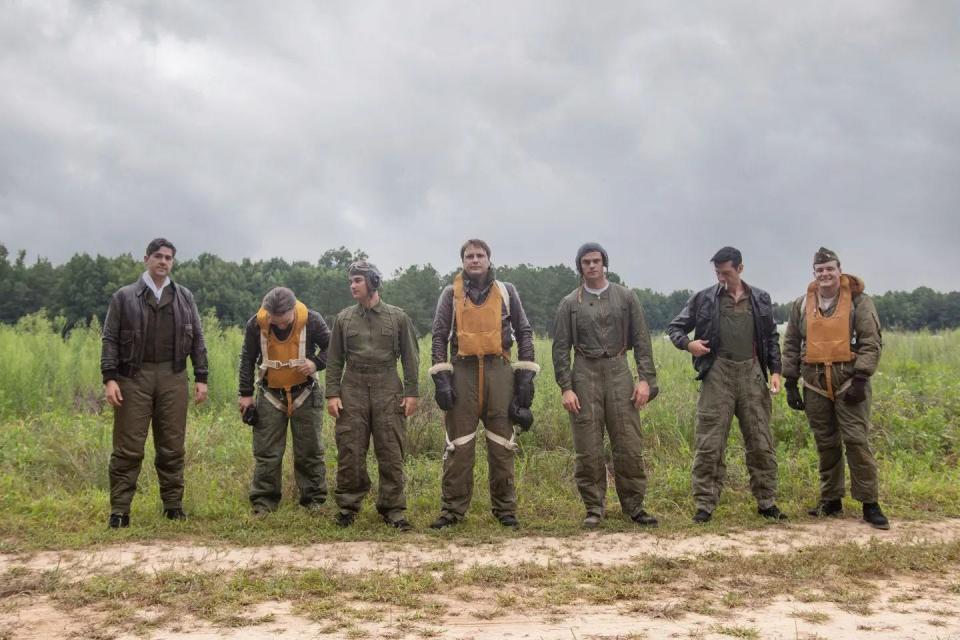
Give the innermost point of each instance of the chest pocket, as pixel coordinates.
(352, 337)
(386, 338)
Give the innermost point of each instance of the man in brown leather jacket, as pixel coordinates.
(151, 327)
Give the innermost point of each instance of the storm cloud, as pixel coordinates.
(661, 130)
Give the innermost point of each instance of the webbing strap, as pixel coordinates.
(510, 444)
(843, 388)
(266, 363)
(290, 406)
(456, 442)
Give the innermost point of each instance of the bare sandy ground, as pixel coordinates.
(907, 607)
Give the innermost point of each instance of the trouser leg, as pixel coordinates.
(269, 443)
(589, 469)
(131, 421)
(714, 413)
(500, 459)
(854, 425)
(306, 431)
(353, 439)
(753, 410)
(389, 444)
(461, 420)
(626, 439)
(169, 434)
(823, 422)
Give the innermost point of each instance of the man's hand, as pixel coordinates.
(112, 391)
(857, 392)
(641, 393)
(698, 347)
(334, 406)
(409, 406)
(200, 392)
(774, 383)
(245, 403)
(571, 402)
(308, 368)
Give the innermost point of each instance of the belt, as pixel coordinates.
(604, 356)
(361, 367)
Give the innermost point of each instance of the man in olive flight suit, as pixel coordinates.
(832, 347)
(478, 317)
(286, 344)
(367, 398)
(735, 345)
(601, 321)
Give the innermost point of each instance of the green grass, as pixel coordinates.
(55, 435)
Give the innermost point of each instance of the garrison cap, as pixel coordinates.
(825, 255)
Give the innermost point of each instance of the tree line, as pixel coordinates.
(80, 289)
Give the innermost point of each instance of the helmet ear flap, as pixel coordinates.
(373, 281)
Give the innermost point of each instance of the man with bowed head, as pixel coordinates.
(367, 398)
(286, 343)
(832, 347)
(600, 321)
(151, 327)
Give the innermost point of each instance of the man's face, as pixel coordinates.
(159, 263)
(592, 265)
(727, 274)
(283, 320)
(476, 262)
(358, 287)
(827, 274)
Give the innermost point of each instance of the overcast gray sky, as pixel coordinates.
(662, 130)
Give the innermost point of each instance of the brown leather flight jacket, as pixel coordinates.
(126, 323)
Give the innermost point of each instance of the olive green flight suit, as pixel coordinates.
(362, 372)
(600, 329)
(836, 425)
(734, 386)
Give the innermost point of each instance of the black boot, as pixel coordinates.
(510, 521)
(644, 519)
(827, 508)
(873, 516)
(119, 520)
(174, 514)
(702, 516)
(444, 521)
(345, 518)
(772, 513)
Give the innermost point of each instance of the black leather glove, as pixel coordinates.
(857, 392)
(250, 416)
(520, 416)
(523, 387)
(444, 393)
(794, 399)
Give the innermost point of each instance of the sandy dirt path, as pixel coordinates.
(906, 607)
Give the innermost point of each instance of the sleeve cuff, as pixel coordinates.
(109, 374)
(525, 365)
(439, 367)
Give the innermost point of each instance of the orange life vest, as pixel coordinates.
(828, 338)
(479, 327)
(280, 358)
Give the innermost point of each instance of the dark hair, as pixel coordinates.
(477, 243)
(156, 243)
(278, 301)
(727, 254)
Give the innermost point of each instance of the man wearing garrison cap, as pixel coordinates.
(832, 348)
(600, 321)
(735, 345)
(367, 398)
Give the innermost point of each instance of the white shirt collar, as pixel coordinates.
(597, 292)
(157, 291)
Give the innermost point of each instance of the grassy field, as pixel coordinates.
(55, 444)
